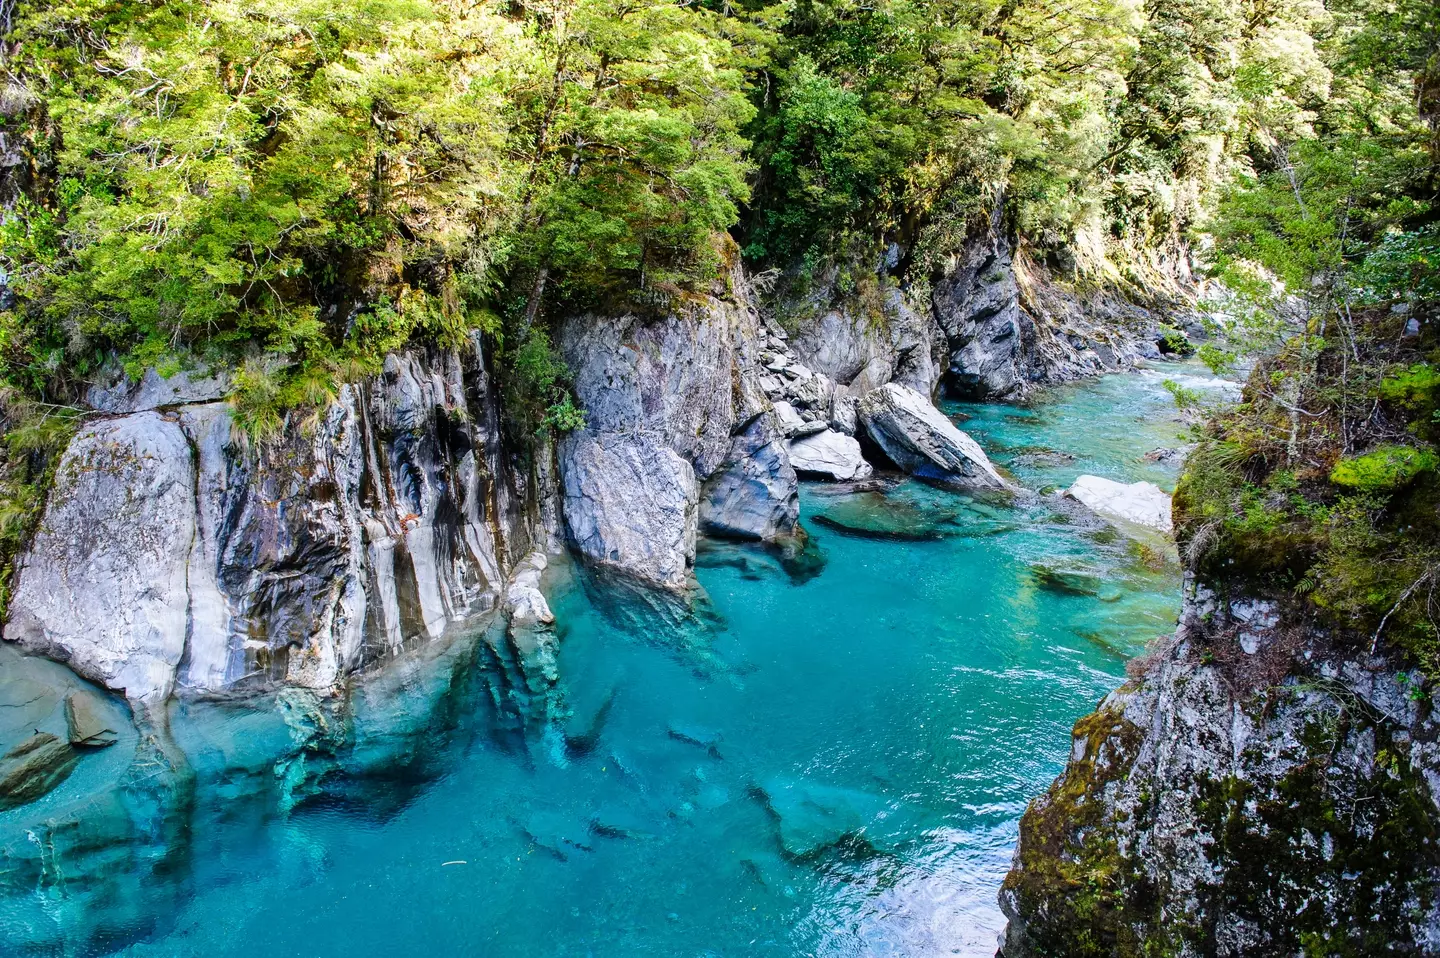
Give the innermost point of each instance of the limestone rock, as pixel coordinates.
(85, 721)
(103, 585)
(1139, 503)
(34, 767)
(922, 441)
(631, 503)
(830, 455)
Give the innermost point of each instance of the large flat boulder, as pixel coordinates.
(103, 585)
(828, 455)
(922, 441)
(630, 503)
(1138, 503)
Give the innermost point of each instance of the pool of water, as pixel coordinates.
(823, 758)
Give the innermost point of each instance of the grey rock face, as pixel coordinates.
(175, 552)
(679, 431)
(153, 391)
(753, 495)
(865, 346)
(1240, 798)
(632, 504)
(103, 585)
(978, 306)
(922, 441)
(829, 455)
(1012, 324)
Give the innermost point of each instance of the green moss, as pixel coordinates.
(1077, 891)
(1385, 469)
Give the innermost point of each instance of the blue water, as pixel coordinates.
(824, 760)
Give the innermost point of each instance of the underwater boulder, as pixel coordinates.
(815, 817)
(34, 767)
(85, 720)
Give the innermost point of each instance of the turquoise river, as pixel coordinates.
(826, 757)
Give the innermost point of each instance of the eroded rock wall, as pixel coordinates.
(680, 437)
(174, 553)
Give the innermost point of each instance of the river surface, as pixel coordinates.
(828, 757)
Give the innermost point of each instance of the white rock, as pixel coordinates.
(103, 585)
(1140, 503)
(921, 440)
(830, 454)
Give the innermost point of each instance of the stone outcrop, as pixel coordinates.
(1137, 503)
(174, 553)
(631, 503)
(1256, 790)
(863, 346)
(921, 440)
(1011, 324)
(103, 586)
(679, 435)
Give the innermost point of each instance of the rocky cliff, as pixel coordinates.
(1252, 790)
(174, 553)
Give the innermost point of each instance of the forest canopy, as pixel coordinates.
(294, 187)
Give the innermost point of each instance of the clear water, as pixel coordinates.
(830, 763)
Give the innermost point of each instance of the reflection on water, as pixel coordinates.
(817, 754)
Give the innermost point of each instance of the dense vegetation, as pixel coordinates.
(291, 188)
(1321, 486)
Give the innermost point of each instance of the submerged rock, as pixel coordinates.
(559, 833)
(34, 767)
(815, 817)
(85, 720)
(828, 455)
(698, 735)
(1139, 503)
(922, 441)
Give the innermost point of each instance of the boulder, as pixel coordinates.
(1138, 503)
(753, 494)
(922, 441)
(103, 586)
(34, 767)
(86, 724)
(829, 455)
(630, 503)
